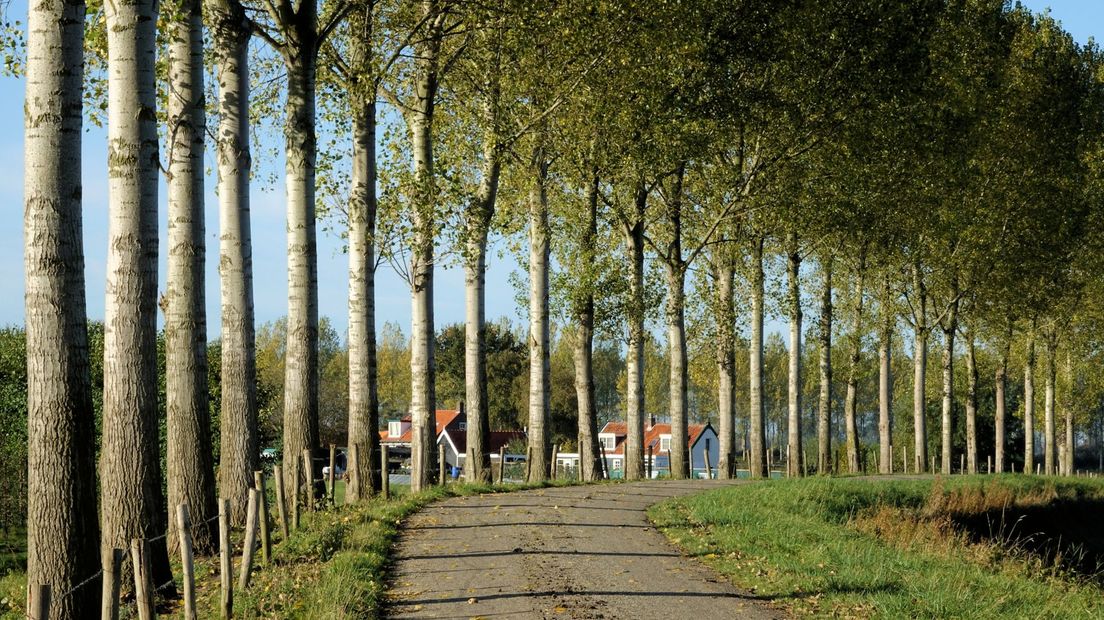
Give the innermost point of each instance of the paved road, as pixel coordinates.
(573, 552)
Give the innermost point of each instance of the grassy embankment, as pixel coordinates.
(333, 566)
(967, 547)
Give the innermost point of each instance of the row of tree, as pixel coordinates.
(937, 165)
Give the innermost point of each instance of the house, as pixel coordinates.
(451, 434)
(702, 439)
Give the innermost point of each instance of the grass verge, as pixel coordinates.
(896, 548)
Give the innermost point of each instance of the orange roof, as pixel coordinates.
(652, 435)
(445, 418)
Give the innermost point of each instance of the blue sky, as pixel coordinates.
(1082, 18)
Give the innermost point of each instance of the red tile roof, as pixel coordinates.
(496, 440)
(651, 435)
(445, 418)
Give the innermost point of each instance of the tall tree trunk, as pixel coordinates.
(793, 432)
(1029, 404)
(758, 436)
(583, 307)
(919, 371)
(634, 360)
(189, 460)
(62, 530)
(1050, 438)
(850, 404)
(824, 336)
(679, 452)
(363, 384)
(130, 465)
(423, 394)
(238, 365)
(539, 340)
(950, 326)
(725, 309)
(885, 383)
(478, 223)
(1000, 415)
(1067, 415)
(971, 405)
(301, 360)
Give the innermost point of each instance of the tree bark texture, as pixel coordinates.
(885, 383)
(62, 530)
(589, 453)
(189, 459)
(725, 309)
(131, 502)
(634, 360)
(539, 336)
(423, 394)
(758, 436)
(1029, 405)
(919, 371)
(793, 433)
(301, 357)
(1050, 435)
(971, 406)
(363, 386)
(824, 406)
(238, 366)
(950, 327)
(1000, 415)
(678, 378)
(478, 216)
(851, 401)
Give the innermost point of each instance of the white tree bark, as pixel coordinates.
(1029, 405)
(634, 359)
(1050, 435)
(850, 405)
(885, 383)
(919, 371)
(950, 327)
(363, 387)
(189, 458)
(1000, 416)
(725, 312)
(62, 530)
(757, 428)
(971, 406)
(131, 502)
(793, 432)
(238, 417)
(539, 339)
(589, 455)
(676, 333)
(824, 406)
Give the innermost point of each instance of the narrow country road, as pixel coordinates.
(573, 552)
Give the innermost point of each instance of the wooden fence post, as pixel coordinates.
(184, 528)
(603, 471)
(143, 587)
(352, 472)
(555, 453)
(111, 561)
(308, 477)
(501, 464)
(528, 461)
(38, 601)
(385, 473)
(708, 465)
(294, 495)
(226, 601)
(249, 546)
(281, 501)
(262, 515)
(651, 460)
(962, 464)
(333, 465)
(989, 464)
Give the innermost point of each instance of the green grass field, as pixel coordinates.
(965, 547)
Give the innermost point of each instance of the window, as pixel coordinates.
(665, 443)
(607, 443)
(617, 463)
(463, 426)
(394, 428)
